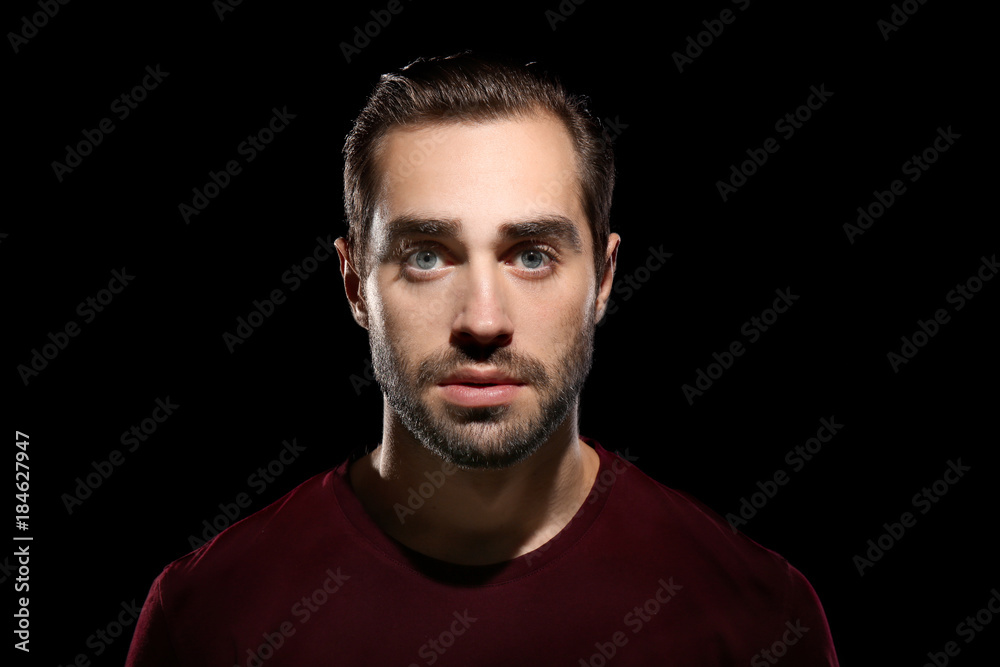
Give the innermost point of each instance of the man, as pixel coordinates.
(482, 530)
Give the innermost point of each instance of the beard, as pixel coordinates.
(490, 437)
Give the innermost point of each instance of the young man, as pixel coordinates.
(482, 530)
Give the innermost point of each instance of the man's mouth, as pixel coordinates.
(474, 378)
(471, 388)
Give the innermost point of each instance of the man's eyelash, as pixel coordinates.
(406, 248)
(544, 247)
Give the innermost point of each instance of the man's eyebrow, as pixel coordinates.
(551, 226)
(405, 225)
(556, 227)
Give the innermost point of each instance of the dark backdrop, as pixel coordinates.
(678, 126)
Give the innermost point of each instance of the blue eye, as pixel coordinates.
(425, 259)
(532, 258)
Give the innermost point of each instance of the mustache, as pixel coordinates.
(524, 367)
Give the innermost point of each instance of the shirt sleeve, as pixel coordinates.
(151, 646)
(806, 626)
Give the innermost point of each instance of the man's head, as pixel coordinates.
(479, 255)
(468, 88)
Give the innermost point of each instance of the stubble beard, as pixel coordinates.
(482, 438)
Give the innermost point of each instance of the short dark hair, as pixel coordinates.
(470, 87)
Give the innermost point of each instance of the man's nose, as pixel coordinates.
(484, 316)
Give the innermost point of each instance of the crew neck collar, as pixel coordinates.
(473, 575)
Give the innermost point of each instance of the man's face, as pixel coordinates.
(481, 298)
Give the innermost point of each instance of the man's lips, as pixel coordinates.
(480, 388)
(480, 378)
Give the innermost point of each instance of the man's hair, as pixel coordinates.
(470, 88)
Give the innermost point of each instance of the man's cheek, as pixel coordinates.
(430, 308)
(405, 316)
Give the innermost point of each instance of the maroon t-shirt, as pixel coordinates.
(642, 575)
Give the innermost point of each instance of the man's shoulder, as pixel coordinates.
(677, 521)
(273, 532)
(732, 589)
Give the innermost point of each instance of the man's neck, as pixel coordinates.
(474, 517)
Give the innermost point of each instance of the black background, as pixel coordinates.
(678, 134)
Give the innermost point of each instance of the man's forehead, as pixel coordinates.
(420, 140)
(479, 177)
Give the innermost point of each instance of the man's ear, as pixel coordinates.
(604, 289)
(352, 282)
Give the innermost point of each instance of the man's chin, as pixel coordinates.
(485, 414)
(482, 452)
(487, 438)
